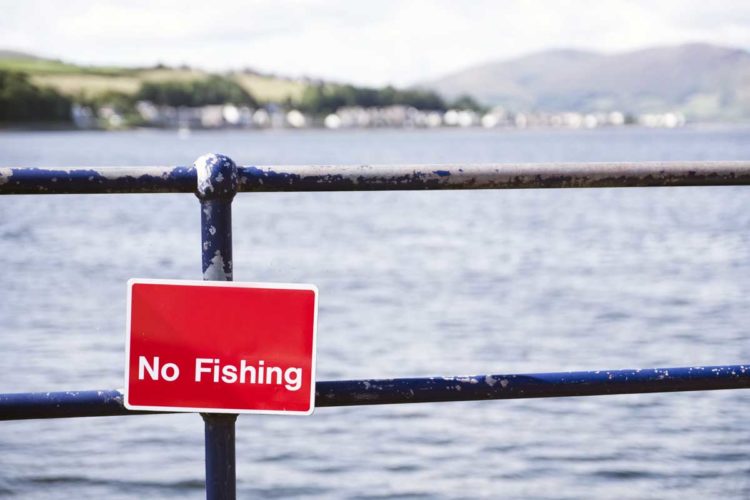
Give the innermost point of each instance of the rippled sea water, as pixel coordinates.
(411, 284)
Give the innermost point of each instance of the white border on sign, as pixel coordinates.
(237, 284)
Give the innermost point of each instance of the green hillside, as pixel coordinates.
(92, 81)
(33, 83)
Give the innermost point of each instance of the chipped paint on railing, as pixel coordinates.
(483, 387)
(216, 177)
(495, 176)
(422, 390)
(377, 177)
(217, 182)
(84, 180)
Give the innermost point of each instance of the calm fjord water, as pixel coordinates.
(411, 284)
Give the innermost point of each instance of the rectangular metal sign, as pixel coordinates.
(220, 347)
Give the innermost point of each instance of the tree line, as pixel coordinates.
(22, 101)
(322, 99)
(212, 90)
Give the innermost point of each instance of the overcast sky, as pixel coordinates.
(378, 42)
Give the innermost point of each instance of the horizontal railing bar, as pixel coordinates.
(87, 180)
(22, 406)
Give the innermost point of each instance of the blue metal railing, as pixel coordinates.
(84, 180)
(109, 403)
(215, 179)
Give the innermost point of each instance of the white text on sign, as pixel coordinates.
(213, 370)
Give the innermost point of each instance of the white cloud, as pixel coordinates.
(365, 42)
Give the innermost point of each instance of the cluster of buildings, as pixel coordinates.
(400, 116)
(273, 116)
(216, 116)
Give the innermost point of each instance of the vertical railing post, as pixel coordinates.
(217, 185)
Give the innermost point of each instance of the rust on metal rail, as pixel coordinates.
(83, 180)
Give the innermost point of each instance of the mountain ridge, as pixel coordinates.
(703, 81)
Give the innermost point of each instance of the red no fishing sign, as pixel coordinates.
(220, 347)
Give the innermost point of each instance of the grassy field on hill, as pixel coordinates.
(91, 81)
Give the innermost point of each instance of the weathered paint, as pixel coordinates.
(5, 174)
(61, 180)
(422, 390)
(216, 186)
(216, 177)
(371, 177)
(495, 176)
(539, 385)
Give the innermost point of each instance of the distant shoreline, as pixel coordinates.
(40, 127)
(64, 127)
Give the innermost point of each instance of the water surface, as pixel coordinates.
(411, 284)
